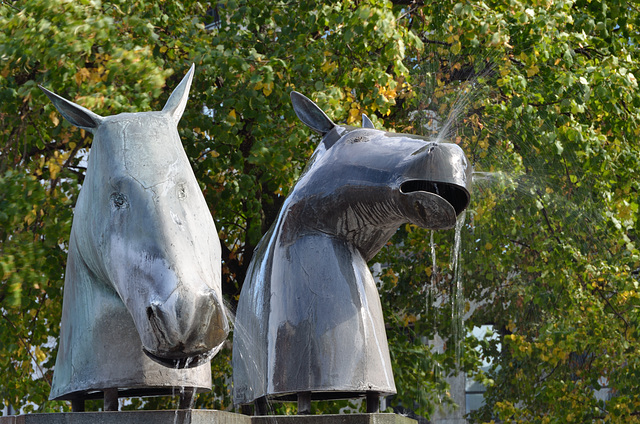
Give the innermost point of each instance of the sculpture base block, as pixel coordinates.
(182, 416)
(377, 418)
(198, 416)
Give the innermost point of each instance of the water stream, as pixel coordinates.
(432, 289)
(457, 292)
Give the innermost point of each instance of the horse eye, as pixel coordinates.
(119, 201)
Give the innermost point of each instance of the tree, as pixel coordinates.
(550, 254)
(541, 95)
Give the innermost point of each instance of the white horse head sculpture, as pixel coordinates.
(143, 270)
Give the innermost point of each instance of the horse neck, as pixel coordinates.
(292, 242)
(365, 223)
(90, 308)
(88, 299)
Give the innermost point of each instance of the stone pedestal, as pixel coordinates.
(198, 416)
(333, 419)
(194, 416)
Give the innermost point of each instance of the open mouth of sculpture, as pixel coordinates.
(181, 363)
(455, 195)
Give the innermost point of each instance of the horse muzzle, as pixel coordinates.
(436, 188)
(186, 330)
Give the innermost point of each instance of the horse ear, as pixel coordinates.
(178, 100)
(75, 114)
(366, 122)
(311, 114)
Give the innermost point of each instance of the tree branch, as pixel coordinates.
(26, 347)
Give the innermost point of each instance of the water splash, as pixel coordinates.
(187, 395)
(266, 406)
(496, 176)
(229, 313)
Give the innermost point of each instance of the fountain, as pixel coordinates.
(309, 323)
(142, 310)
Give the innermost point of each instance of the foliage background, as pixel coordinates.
(542, 95)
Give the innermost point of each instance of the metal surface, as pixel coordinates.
(309, 317)
(143, 270)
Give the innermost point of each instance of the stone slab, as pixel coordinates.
(333, 419)
(195, 416)
(198, 416)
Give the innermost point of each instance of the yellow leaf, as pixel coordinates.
(232, 117)
(40, 355)
(532, 70)
(54, 118)
(267, 88)
(31, 216)
(456, 47)
(409, 319)
(328, 67)
(54, 168)
(81, 75)
(97, 75)
(353, 115)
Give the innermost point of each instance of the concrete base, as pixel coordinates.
(194, 416)
(198, 416)
(376, 418)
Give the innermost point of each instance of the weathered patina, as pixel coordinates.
(142, 311)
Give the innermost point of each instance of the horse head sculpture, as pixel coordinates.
(309, 322)
(142, 311)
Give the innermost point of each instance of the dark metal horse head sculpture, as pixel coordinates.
(142, 311)
(309, 321)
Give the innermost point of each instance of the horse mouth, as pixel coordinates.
(182, 363)
(457, 196)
